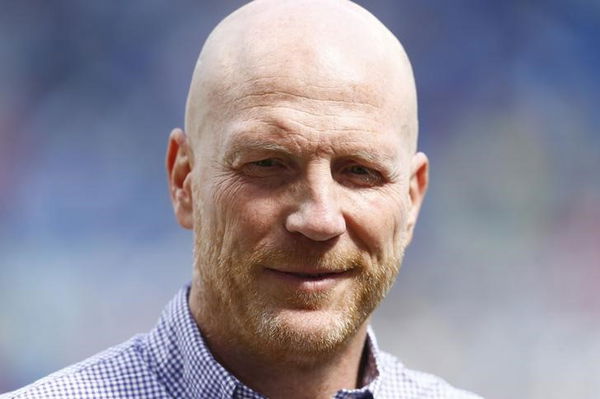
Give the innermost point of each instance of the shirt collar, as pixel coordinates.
(177, 351)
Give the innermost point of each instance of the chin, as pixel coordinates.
(313, 333)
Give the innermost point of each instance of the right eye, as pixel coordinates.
(264, 168)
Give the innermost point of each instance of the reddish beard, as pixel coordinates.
(233, 302)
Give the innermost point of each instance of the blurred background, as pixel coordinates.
(500, 291)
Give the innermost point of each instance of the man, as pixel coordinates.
(299, 176)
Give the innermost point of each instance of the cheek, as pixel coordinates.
(243, 214)
(379, 220)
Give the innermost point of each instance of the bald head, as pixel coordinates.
(331, 50)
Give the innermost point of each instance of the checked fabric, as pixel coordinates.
(173, 361)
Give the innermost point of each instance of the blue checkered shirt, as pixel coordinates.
(172, 361)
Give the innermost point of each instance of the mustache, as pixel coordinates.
(295, 259)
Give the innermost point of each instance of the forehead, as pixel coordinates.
(308, 118)
(270, 125)
(323, 96)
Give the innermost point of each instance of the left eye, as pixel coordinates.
(359, 170)
(362, 176)
(264, 163)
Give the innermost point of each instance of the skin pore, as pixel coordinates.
(300, 179)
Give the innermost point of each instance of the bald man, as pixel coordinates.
(299, 175)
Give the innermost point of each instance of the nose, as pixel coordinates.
(318, 213)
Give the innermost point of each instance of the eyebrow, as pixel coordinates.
(243, 144)
(371, 157)
(272, 140)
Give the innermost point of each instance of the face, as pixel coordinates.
(301, 209)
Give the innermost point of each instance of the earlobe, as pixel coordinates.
(419, 181)
(179, 167)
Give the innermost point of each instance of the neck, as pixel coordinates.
(294, 376)
(296, 379)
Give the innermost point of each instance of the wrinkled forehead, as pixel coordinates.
(315, 94)
(324, 80)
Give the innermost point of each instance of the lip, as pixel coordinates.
(312, 281)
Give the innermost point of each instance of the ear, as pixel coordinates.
(179, 166)
(419, 179)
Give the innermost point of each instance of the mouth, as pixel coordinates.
(308, 281)
(311, 276)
